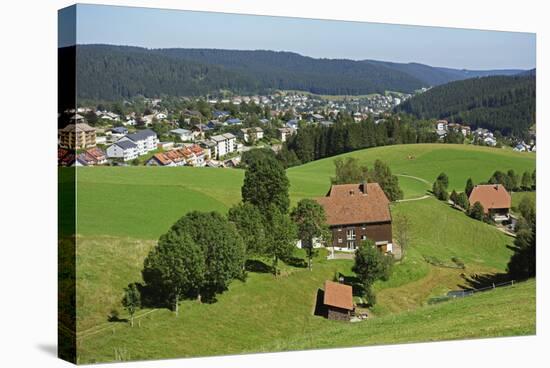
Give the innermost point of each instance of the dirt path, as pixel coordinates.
(107, 326)
(415, 178)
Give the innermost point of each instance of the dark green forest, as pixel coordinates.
(111, 73)
(313, 142)
(504, 103)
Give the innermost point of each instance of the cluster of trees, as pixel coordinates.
(513, 182)
(371, 265)
(440, 186)
(350, 171)
(522, 263)
(204, 251)
(313, 142)
(504, 103)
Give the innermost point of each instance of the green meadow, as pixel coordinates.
(142, 202)
(122, 211)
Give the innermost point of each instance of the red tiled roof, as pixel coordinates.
(351, 204)
(161, 157)
(96, 153)
(338, 295)
(491, 196)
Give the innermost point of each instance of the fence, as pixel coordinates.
(466, 292)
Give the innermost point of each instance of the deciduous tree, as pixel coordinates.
(310, 219)
(371, 265)
(131, 301)
(175, 267)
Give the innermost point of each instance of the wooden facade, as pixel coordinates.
(350, 236)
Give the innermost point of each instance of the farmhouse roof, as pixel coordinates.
(491, 196)
(338, 295)
(355, 204)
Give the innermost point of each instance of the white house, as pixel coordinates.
(146, 140)
(490, 141)
(125, 149)
(224, 144)
(284, 133)
(161, 116)
(442, 125)
(183, 134)
(252, 134)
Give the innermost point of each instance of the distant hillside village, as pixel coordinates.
(215, 132)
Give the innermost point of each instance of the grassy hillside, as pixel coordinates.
(123, 210)
(142, 202)
(270, 314)
(507, 311)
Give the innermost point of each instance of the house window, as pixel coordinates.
(351, 244)
(363, 237)
(350, 233)
(339, 240)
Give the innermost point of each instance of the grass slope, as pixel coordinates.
(142, 202)
(123, 210)
(508, 311)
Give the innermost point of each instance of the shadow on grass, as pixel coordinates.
(296, 262)
(320, 309)
(114, 317)
(484, 280)
(355, 284)
(254, 265)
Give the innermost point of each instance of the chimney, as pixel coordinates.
(364, 186)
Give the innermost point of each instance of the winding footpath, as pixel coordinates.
(415, 198)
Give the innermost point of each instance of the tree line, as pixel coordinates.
(312, 142)
(499, 103)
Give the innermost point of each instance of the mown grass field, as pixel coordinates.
(122, 211)
(142, 202)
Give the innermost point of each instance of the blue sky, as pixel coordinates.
(158, 28)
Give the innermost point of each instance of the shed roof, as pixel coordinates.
(338, 295)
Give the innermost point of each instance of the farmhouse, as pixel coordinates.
(494, 198)
(357, 212)
(338, 301)
(77, 136)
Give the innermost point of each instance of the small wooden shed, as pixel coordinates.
(338, 301)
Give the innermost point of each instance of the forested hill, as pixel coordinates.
(504, 103)
(107, 72)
